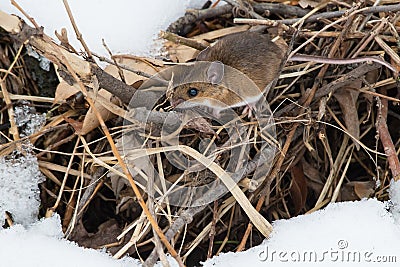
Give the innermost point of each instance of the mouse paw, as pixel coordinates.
(248, 110)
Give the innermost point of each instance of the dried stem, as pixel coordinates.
(78, 34)
(32, 20)
(386, 139)
(120, 72)
(182, 40)
(7, 99)
(212, 231)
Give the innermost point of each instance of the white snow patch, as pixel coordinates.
(28, 119)
(343, 234)
(19, 191)
(394, 194)
(127, 26)
(41, 245)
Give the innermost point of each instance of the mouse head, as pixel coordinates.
(205, 94)
(211, 84)
(201, 92)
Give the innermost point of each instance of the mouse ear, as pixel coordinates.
(203, 55)
(215, 72)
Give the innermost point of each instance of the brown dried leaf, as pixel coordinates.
(77, 125)
(347, 98)
(137, 84)
(180, 53)
(65, 91)
(91, 122)
(10, 23)
(107, 234)
(298, 189)
(314, 177)
(364, 189)
(201, 125)
(357, 190)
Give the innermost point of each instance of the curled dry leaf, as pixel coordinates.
(298, 189)
(77, 125)
(201, 124)
(106, 233)
(65, 91)
(347, 98)
(91, 122)
(357, 190)
(314, 180)
(10, 23)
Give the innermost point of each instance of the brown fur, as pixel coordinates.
(251, 53)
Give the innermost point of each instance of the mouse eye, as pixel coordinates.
(192, 92)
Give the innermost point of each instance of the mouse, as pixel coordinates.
(237, 69)
(250, 53)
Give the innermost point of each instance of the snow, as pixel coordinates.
(27, 119)
(343, 234)
(19, 191)
(394, 194)
(41, 244)
(364, 230)
(126, 26)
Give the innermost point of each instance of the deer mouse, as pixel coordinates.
(252, 54)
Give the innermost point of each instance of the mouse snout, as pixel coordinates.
(176, 101)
